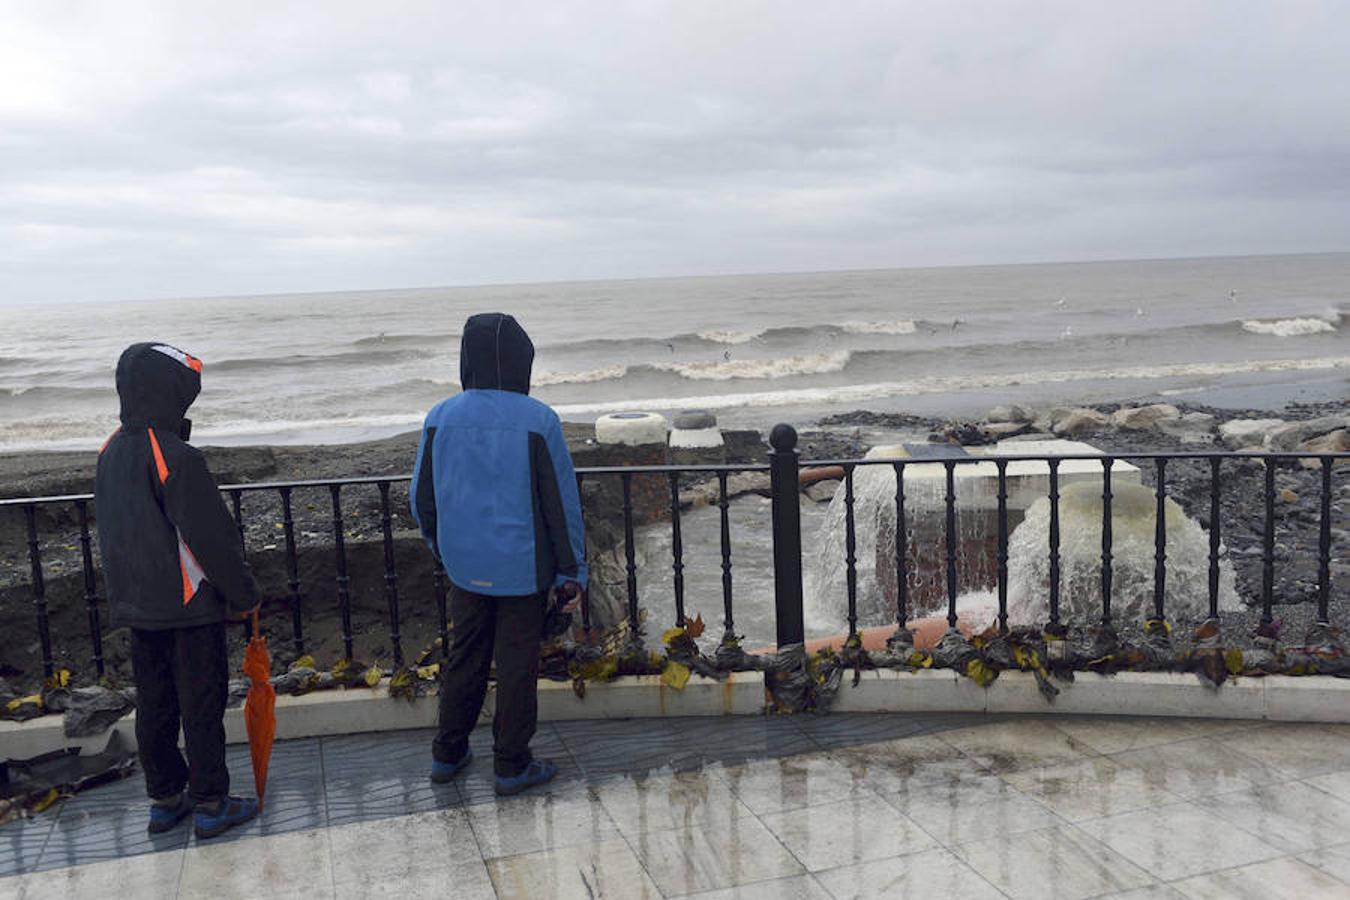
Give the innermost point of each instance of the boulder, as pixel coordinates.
(1286, 438)
(1336, 442)
(1000, 431)
(1079, 422)
(823, 491)
(1239, 433)
(1191, 428)
(1010, 413)
(1141, 418)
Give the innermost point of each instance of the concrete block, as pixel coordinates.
(1307, 699)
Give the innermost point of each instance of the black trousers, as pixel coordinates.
(507, 629)
(182, 679)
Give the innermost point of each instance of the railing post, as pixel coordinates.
(785, 489)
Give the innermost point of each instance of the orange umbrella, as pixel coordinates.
(260, 716)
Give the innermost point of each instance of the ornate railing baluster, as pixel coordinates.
(390, 574)
(1160, 543)
(237, 500)
(676, 548)
(630, 555)
(951, 543)
(1108, 539)
(585, 596)
(724, 507)
(1324, 548)
(1215, 536)
(901, 550)
(340, 563)
(1054, 542)
(850, 554)
(39, 591)
(1268, 548)
(90, 586)
(293, 574)
(1002, 466)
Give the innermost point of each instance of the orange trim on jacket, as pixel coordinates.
(160, 466)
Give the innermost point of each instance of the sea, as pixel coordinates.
(1255, 331)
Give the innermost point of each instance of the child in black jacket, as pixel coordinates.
(175, 573)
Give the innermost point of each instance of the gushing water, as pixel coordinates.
(1133, 520)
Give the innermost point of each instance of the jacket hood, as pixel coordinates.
(495, 354)
(156, 383)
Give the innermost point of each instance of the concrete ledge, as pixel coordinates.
(1274, 697)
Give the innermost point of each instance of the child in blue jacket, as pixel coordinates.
(496, 497)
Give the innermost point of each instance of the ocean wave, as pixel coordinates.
(1291, 327)
(590, 376)
(862, 393)
(716, 336)
(783, 367)
(406, 340)
(900, 326)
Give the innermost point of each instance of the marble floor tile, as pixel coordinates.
(1131, 733)
(1060, 862)
(1278, 879)
(22, 842)
(298, 864)
(144, 876)
(1198, 768)
(896, 764)
(1337, 784)
(466, 881)
(1300, 751)
(392, 850)
(840, 732)
(1152, 892)
(533, 822)
(1177, 841)
(1291, 817)
(107, 823)
(931, 873)
(713, 855)
(663, 799)
(963, 808)
(1090, 789)
(591, 871)
(1334, 861)
(798, 887)
(850, 831)
(792, 782)
(1016, 745)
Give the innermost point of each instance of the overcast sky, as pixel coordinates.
(153, 149)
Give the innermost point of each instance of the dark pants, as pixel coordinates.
(507, 628)
(182, 678)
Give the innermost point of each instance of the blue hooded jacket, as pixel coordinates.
(493, 488)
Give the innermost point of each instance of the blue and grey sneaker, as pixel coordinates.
(441, 772)
(211, 822)
(167, 813)
(539, 771)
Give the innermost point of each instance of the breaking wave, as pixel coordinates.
(901, 326)
(1288, 327)
(784, 367)
(728, 337)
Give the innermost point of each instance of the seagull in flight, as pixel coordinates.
(1059, 302)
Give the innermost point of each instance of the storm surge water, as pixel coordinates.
(354, 365)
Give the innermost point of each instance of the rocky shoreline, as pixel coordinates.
(1116, 429)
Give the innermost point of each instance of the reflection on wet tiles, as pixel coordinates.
(1061, 862)
(931, 873)
(1178, 841)
(1279, 879)
(895, 765)
(477, 784)
(1299, 751)
(798, 887)
(771, 785)
(107, 823)
(1090, 789)
(1198, 767)
(367, 778)
(603, 870)
(1292, 817)
(606, 748)
(1019, 744)
(395, 851)
(295, 865)
(1131, 733)
(959, 808)
(533, 822)
(848, 832)
(147, 875)
(713, 855)
(840, 731)
(21, 842)
(661, 800)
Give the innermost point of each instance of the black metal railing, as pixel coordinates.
(661, 490)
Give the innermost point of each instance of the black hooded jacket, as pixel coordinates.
(171, 551)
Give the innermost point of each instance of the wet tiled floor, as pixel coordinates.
(774, 808)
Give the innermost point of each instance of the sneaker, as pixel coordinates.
(539, 771)
(165, 814)
(232, 811)
(441, 772)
